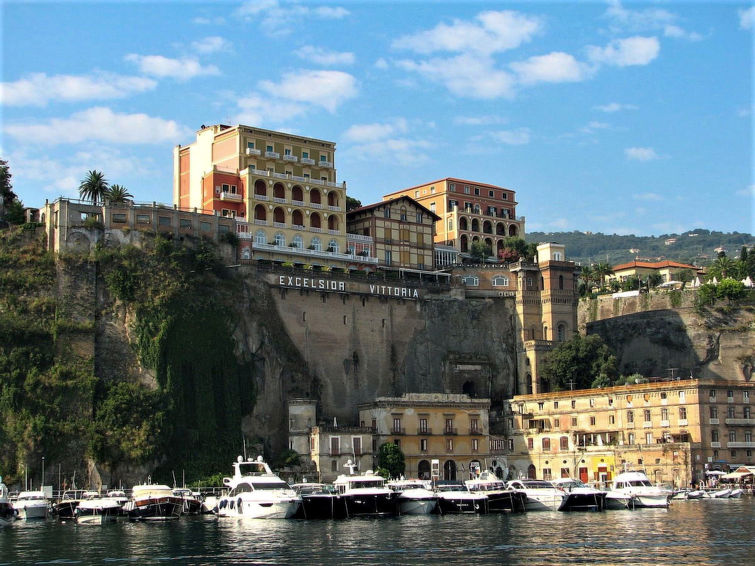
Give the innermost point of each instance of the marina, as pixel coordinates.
(706, 531)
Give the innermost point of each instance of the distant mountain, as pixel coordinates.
(697, 247)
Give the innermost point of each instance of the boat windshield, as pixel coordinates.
(487, 486)
(366, 484)
(644, 483)
(270, 485)
(532, 484)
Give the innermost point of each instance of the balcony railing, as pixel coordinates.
(297, 202)
(307, 161)
(291, 158)
(261, 222)
(327, 164)
(713, 421)
(450, 430)
(683, 422)
(261, 197)
(279, 224)
(733, 444)
(253, 151)
(308, 180)
(230, 196)
(396, 430)
(425, 430)
(664, 423)
(336, 208)
(279, 200)
(740, 422)
(359, 238)
(272, 154)
(315, 204)
(715, 444)
(314, 253)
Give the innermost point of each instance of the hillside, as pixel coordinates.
(697, 247)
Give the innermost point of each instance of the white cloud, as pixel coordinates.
(37, 89)
(257, 109)
(205, 21)
(593, 126)
(556, 67)
(325, 56)
(490, 32)
(381, 64)
(278, 18)
(211, 44)
(465, 75)
(654, 197)
(327, 89)
(402, 151)
(747, 192)
(615, 107)
(625, 52)
(678, 33)
(641, 153)
(638, 20)
(180, 69)
(520, 136)
(746, 17)
(364, 133)
(479, 120)
(99, 124)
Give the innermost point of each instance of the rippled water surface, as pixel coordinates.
(690, 532)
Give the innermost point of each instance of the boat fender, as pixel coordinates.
(239, 506)
(223, 503)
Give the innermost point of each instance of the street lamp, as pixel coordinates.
(43, 473)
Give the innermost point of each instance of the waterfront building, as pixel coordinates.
(667, 269)
(469, 212)
(281, 189)
(674, 430)
(450, 428)
(402, 231)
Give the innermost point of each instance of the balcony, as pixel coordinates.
(272, 154)
(740, 422)
(713, 421)
(475, 431)
(261, 197)
(297, 202)
(334, 208)
(664, 423)
(236, 197)
(397, 430)
(279, 224)
(279, 200)
(253, 151)
(307, 161)
(425, 430)
(312, 253)
(326, 164)
(715, 445)
(682, 422)
(309, 180)
(291, 158)
(359, 238)
(739, 444)
(315, 205)
(647, 424)
(450, 430)
(261, 222)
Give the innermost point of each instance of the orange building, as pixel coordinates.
(469, 212)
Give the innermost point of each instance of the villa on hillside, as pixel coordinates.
(668, 270)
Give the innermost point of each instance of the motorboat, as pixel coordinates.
(153, 502)
(694, 494)
(98, 511)
(257, 493)
(541, 494)
(500, 498)
(192, 502)
(633, 489)
(66, 508)
(720, 493)
(455, 498)
(319, 501)
(365, 494)
(7, 513)
(413, 497)
(580, 497)
(736, 493)
(32, 505)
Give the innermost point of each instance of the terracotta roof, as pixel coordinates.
(652, 265)
(453, 180)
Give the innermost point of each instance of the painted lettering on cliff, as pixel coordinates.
(400, 292)
(298, 282)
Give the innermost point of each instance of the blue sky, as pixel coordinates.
(627, 118)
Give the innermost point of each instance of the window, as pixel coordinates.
(450, 426)
(630, 438)
(397, 424)
(280, 239)
(323, 158)
(713, 412)
(748, 436)
(388, 257)
(546, 444)
(205, 226)
(474, 425)
(119, 218)
(540, 406)
(269, 148)
(664, 414)
(501, 281)
(260, 237)
(730, 395)
(335, 445)
(592, 402)
(712, 393)
(505, 196)
(423, 444)
(511, 444)
(432, 207)
(555, 404)
(732, 436)
(387, 212)
(574, 421)
(449, 444)
(573, 404)
(142, 219)
(746, 411)
(630, 416)
(475, 444)
(611, 419)
(163, 220)
(333, 246)
(647, 415)
(423, 425)
(730, 412)
(334, 465)
(286, 151)
(663, 394)
(305, 155)
(250, 145)
(648, 438)
(682, 397)
(418, 217)
(402, 214)
(563, 443)
(470, 281)
(592, 421)
(556, 423)
(683, 413)
(745, 396)
(714, 435)
(530, 444)
(356, 443)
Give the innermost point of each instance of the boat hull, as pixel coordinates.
(450, 504)
(32, 512)
(97, 516)
(643, 500)
(257, 509)
(155, 509)
(543, 502)
(416, 506)
(506, 502)
(594, 501)
(321, 506)
(7, 514)
(369, 504)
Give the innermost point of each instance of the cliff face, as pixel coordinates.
(662, 334)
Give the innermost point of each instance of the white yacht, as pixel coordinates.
(633, 489)
(153, 502)
(98, 510)
(257, 493)
(7, 513)
(541, 495)
(364, 494)
(413, 497)
(500, 498)
(455, 498)
(580, 497)
(32, 505)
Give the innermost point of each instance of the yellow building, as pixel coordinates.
(668, 270)
(451, 429)
(674, 430)
(469, 212)
(402, 230)
(281, 189)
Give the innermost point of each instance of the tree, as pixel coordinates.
(730, 289)
(722, 268)
(581, 362)
(352, 203)
(479, 250)
(654, 279)
(94, 187)
(601, 271)
(118, 194)
(514, 249)
(14, 212)
(685, 276)
(391, 459)
(6, 188)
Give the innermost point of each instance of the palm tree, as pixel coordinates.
(118, 194)
(94, 187)
(601, 271)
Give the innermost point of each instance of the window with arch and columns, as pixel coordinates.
(260, 237)
(280, 239)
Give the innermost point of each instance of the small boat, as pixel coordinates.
(153, 502)
(720, 494)
(365, 495)
(500, 498)
(580, 497)
(455, 498)
(32, 505)
(694, 494)
(66, 508)
(633, 489)
(192, 502)
(7, 513)
(736, 493)
(413, 497)
(257, 493)
(319, 501)
(98, 511)
(541, 495)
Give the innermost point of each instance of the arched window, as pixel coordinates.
(260, 237)
(332, 222)
(475, 225)
(423, 470)
(297, 195)
(561, 332)
(470, 281)
(545, 332)
(314, 196)
(332, 198)
(464, 243)
(279, 191)
(500, 281)
(314, 220)
(260, 213)
(298, 242)
(463, 225)
(280, 239)
(512, 230)
(531, 472)
(333, 246)
(316, 244)
(449, 470)
(297, 218)
(279, 215)
(500, 229)
(260, 187)
(487, 227)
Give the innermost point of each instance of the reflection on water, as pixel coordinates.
(690, 532)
